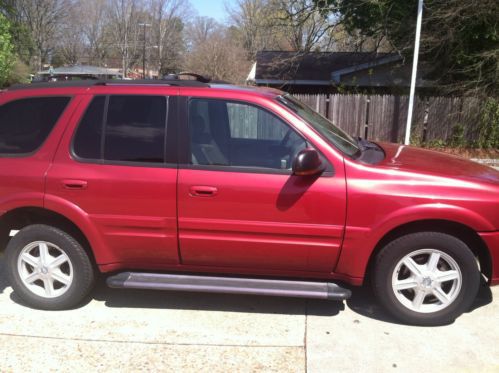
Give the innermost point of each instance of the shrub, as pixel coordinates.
(488, 126)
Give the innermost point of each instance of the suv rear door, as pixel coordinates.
(239, 205)
(116, 166)
(31, 125)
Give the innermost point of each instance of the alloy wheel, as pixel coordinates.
(45, 269)
(427, 280)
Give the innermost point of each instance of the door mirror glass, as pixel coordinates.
(308, 162)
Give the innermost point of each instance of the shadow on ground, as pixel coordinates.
(3, 275)
(364, 303)
(361, 302)
(134, 298)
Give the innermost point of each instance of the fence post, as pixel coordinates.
(366, 124)
(425, 119)
(328, 95)
(394, 135)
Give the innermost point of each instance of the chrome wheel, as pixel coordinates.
(45, 269)
(426, 280)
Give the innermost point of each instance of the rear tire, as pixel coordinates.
(48, 269)
(426, 278)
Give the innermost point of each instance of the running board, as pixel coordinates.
(229, 285)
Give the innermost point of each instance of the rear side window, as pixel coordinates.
(132, 129)
(87, 141)
(26, 123)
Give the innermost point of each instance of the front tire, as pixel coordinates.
(426, 278)
(48, 269)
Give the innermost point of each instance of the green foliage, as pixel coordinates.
(416, 138)
(458, 138)
(6, 51)
(488, 129)
(436, 144)
(19, 73)
(459, 41)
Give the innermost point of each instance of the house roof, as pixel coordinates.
(314, 68)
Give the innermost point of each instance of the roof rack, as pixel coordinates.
(197, 77)
(120, 82)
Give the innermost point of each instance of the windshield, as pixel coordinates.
(333, 134)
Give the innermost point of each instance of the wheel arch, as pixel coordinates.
(461, 231)
(21, 217)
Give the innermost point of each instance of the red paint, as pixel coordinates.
(185, 219)
(491, 239)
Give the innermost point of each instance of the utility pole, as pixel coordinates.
(414, 73)
(144, 25)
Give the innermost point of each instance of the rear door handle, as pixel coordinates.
(74, 184)
(202, 191)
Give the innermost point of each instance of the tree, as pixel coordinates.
(91, 18)
(254, 23)
(6, 51)
(124, 19)
(459, 37)
(295, 25)
(215, 52)
(306, 28)
(20, 36)
(42, 19)
(167, 39)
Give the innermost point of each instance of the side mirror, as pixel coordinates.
(308, 162)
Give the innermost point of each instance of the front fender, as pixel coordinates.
(360, 242)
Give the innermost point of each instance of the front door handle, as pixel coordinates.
(203, 191)
(74, 184)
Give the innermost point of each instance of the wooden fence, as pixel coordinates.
(383, 117)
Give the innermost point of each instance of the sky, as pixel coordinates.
(211, 8)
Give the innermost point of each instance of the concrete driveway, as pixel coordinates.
(130, 330)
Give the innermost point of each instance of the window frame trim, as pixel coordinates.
(171, 108)
(184, 141)
(57, 122)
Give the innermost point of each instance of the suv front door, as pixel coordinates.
(239, 205)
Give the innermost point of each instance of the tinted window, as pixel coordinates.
(134, 129)
(26, 123)
(250, 122)
(226, 133)
(87, 141)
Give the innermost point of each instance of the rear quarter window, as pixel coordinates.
(26, 123)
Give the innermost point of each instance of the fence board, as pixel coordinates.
(387, 115)
(348, 112)
(470, 118)
(443, 113)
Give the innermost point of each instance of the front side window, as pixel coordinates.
(132, 129)
(334, 135)
(26, 123)
(228, 133)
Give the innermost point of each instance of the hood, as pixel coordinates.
(424, 161)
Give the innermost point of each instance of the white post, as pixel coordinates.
(414, 73)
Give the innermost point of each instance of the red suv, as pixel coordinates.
(184, 185)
